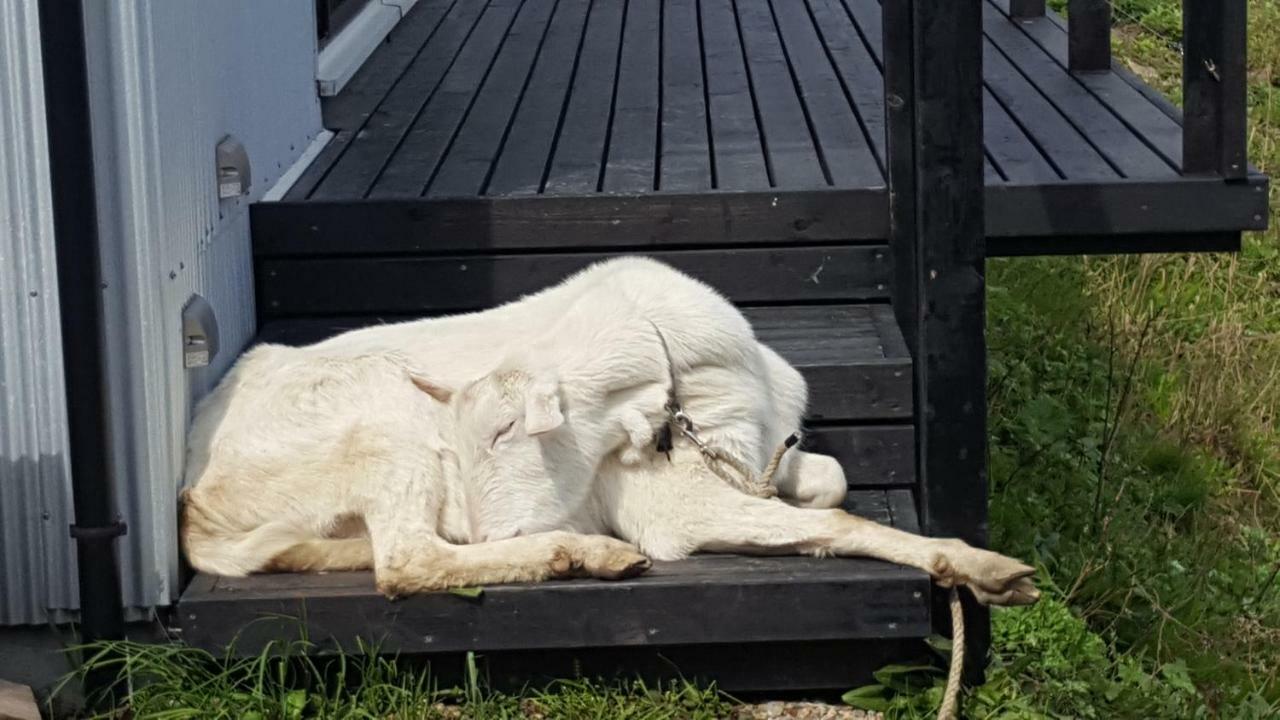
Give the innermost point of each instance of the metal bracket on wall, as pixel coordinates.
(233, 168)
(199, 333)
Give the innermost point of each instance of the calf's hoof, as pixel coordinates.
(992, 578)
(599, 556)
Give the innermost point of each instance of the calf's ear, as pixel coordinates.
(542, 408)
(434, 389)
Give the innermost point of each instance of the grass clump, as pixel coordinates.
(286, 681)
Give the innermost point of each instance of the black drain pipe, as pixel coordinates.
(80, 286)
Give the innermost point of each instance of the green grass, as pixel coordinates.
(284, 682)
(1135, 459)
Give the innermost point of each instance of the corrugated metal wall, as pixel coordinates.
(170, 78)
(37, 560)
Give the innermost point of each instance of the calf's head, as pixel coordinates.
(519, 462)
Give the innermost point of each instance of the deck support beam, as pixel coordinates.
(1214, 80)
(933, 97)
(1089, 35)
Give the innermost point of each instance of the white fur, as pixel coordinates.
(333, 456)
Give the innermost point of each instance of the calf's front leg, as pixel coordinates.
(410, 556)
(674, 510)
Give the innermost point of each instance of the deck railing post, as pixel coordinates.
(1026, 8)
(1089, 35)
(1214, 81)
(933, 98)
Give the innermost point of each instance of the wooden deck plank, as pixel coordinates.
(423, 147)
(832, 116)
(464, 171)
(580, 146)
(338, 608)
(1012, 156)
(292, 287)
(1018, 159)
(793, 158)
(370, 149)
(347, 113)
(1145, 117)
(1038, 161)
(1070, 151)
(877, 455)
(520, 167)
(857, 368)
(739, 155)
(523, 223)
(859, 70)
(632, 151)
(684, 163)
(352, 108)
(1123, 149)
(570, 614)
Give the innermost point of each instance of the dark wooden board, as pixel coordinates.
(684, 163)
(416, 159)
(872, 455)
(794, 160)
(464, 170)
(352, 108)
(509, 224)
(291, 287)
(520, 168)
(1215, 82)
(1188, 206)
(858, 69)
(1127, 152)
(1012, 152)
(577, 161)
(373, 146)
(707, 599)
(633, 136)
(1070, 152)
(845, 149)
(1141, 108)
(939, 58)
(1089, 35)
(735, 131)
(853, 358)
(735, 94)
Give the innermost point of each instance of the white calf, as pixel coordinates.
(333, 457)
(560, 436)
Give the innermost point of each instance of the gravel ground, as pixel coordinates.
(801, 711)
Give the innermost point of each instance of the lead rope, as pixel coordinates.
(716, 458)
(951, 696)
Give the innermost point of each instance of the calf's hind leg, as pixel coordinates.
(679, 509)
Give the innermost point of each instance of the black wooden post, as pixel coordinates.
(933, 71)
(1026, 8)
(1214, 81)
(1089, 35)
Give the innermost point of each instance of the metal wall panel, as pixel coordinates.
(169, 79)
(37, 557)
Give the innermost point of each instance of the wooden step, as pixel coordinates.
(707, 599)
(292, 286)
(853, 357)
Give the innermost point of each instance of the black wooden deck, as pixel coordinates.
(514, 124)
(710, 599)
